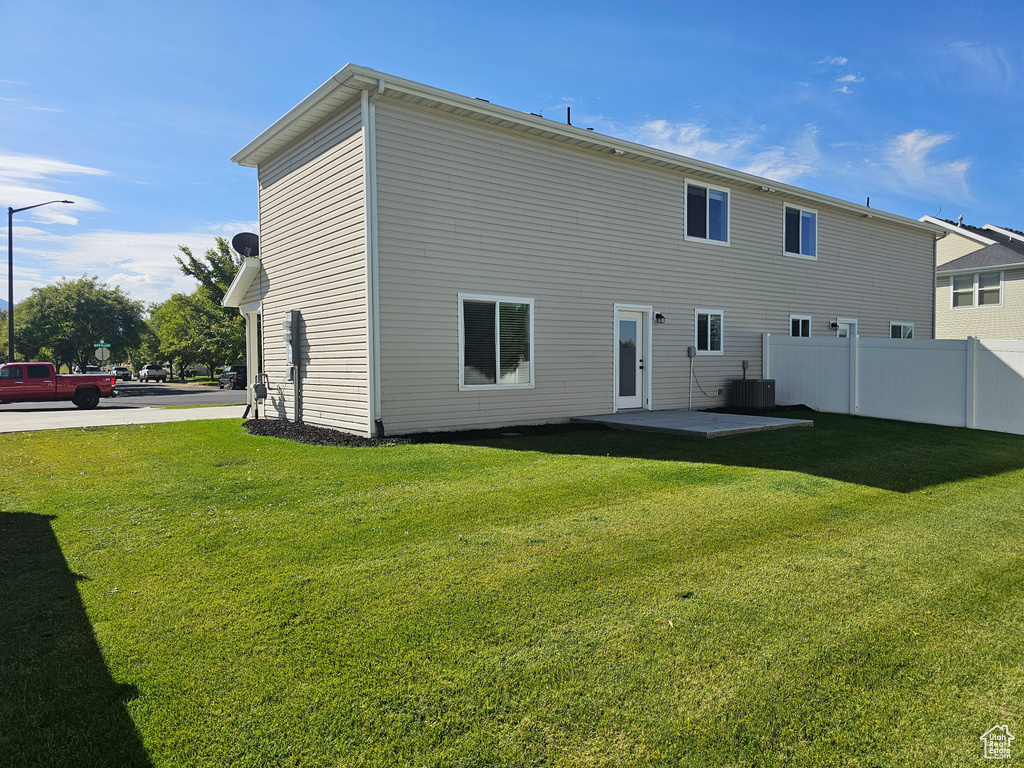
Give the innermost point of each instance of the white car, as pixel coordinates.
(152, 373)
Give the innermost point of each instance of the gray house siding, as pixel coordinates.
(468, 207)
(312, 229)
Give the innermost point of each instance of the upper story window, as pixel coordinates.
(707, 213)
(708, 331)
(982, 289)
(800, 326)
(801, 232)
(496, 339)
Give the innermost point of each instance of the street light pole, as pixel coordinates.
(10, 270)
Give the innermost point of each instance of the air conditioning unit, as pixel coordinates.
(753, 393)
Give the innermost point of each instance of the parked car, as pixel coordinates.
(233, 376)
(23, 382)
(122, 373)
(93, 369)
(152, 373)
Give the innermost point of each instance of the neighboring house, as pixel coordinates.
(979, 281)
(446, 263)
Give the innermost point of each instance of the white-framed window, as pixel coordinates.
(901, 330)
(706, 213)
(495, 342)
(846, 327)
(800, 232)
(708, 331)
(982, 289)
(800, 326)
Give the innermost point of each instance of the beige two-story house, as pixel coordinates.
(979, 281)
(432, 261)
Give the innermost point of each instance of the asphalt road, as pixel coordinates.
(137, 394)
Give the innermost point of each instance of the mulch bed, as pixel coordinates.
(310, 435)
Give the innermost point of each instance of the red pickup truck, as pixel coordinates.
(24, 382)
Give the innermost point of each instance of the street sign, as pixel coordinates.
(103, 354)
(101, 344)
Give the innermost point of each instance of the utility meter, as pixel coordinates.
(291, 336)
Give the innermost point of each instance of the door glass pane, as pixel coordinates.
(627, 358)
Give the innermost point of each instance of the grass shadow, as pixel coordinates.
(60, 705)
(892, 455)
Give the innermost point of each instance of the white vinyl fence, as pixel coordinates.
(961, 383)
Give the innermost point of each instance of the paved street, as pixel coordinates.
(137, 403)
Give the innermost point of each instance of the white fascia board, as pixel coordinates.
(1004, 232)
(352, 78)
(974, 270)
(235, 293)
(957, 230)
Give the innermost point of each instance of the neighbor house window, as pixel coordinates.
(709, 331)
(801, 232)
(982, 289)
(901, 330)
(800, 326)
(707, 213)
(496, 336)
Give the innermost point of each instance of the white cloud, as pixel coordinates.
(141, 263)
(29, 179)
(834, 61)
(986, 65)
(909, 154)
(788, 164)
(850, 79)
(689, 139)
(844, 90)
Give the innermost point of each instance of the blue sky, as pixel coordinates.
(133, 109)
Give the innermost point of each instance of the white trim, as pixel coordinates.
(696, 342)
(802, 209)
(958, 230)
(248, 271)
(901, 324)
(368, 115)
(978, 270)
(707, 212)
(810, 330)
(648, 331)
(848, 320)
(976, 274)
(1004, 232)
(463, 387)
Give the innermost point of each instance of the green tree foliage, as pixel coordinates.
(61, 322)
(195, 327)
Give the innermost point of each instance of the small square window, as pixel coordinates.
(708, 331)
(800, 326)
(901, 330)
(801, 232)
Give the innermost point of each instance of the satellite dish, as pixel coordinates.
(247, 244)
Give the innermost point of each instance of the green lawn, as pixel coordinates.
(189, 595)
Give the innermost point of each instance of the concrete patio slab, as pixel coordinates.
(693, 423)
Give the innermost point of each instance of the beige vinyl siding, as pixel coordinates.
(1002, 322)
(953, 246)
(312, 231)
(473, 208)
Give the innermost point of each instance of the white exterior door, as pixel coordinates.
(631, 364)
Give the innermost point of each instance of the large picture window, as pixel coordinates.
(496, 339)
(708, 331)
(801, 235)
(707, 213)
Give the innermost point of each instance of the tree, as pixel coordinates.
(62, 322)
(196, 326)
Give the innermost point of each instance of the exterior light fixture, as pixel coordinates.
(659, 318)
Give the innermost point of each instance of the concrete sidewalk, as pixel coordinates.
(74, 418)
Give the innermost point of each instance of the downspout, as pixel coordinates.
(375, 425)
